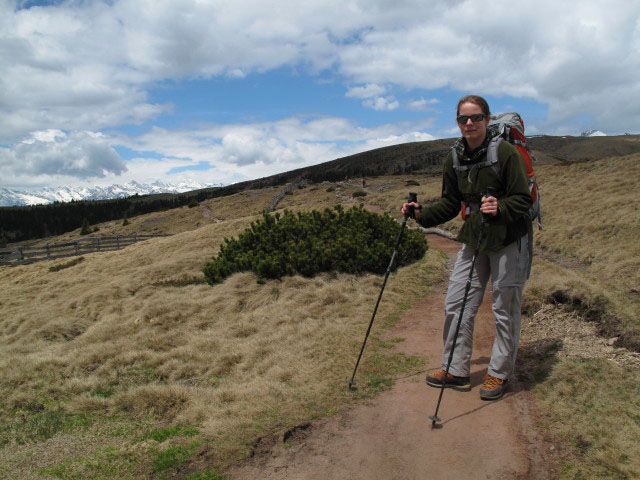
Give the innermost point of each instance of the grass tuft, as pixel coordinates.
(62, 266)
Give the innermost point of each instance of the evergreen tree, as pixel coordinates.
(85, 230)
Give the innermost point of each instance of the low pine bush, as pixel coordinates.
(307, 243)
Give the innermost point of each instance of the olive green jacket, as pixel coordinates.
(514, 199)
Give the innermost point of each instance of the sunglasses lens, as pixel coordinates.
(475, 118)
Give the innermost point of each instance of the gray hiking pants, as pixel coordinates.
(508, 269)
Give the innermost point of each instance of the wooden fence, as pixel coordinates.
(24, 255)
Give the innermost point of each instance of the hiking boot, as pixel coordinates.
(462, 384)
(493, 387)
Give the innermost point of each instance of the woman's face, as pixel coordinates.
(474, 132)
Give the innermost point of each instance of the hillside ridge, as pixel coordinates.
(25, 223)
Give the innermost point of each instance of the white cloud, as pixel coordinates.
(397, 139)
(262, 149)
(382, 103)
(56, 154)
(89, 65)
(366, 91)
(580, 59)
(422, 104)
(53, 152)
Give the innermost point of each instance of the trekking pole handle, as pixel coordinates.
(410, 212)
(489, 192)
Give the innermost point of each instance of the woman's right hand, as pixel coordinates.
(417, 209)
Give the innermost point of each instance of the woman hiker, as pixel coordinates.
(503, 254)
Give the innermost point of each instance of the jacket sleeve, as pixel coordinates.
(517, 199)
(449, 204)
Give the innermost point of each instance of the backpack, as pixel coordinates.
(510, 127)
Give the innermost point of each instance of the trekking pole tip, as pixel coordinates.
(352, 383)
(435, 422)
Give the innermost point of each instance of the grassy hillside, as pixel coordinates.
(126, 365)
(583, 309)
(20, 224)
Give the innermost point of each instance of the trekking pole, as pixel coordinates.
(413, 197)
(434, 418)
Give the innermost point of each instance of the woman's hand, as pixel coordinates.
(489, 205)
(417, 209)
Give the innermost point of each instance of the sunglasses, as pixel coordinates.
(475, 118)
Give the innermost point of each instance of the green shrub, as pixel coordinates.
(331, 189)
(193, 203)
(84, 229)
(359, 193)
(307, 243)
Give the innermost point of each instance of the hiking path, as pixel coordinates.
(390, 437)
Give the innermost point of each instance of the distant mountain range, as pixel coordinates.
(9, 197)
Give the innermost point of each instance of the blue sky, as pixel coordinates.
(100, 92)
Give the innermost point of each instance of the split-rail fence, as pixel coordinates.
(23, 255)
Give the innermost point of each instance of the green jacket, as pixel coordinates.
(514, 198)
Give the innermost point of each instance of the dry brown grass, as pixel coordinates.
(584, 284)
(134, 339)
(592, 225)
(135, 333)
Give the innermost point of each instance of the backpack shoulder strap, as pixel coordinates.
(455, 160)
(492, 154)
(492, 151)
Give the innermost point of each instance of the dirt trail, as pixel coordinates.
(391, 438)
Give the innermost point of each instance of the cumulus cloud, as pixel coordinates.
(366, 91)
(90, 63)
(578, 59)
(372, 95)
(422, 104)
(88, 66)
(81, 155)
(382, 103)
(266, 148)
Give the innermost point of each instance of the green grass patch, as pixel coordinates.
(380, 369)
(108, 463)
(173, 457)
(390, 343)
(39, 426)
(103, 391)
(205, 475)
(162, 434)
(135, 460)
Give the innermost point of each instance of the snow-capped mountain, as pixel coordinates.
(593, 133)
(9, 197)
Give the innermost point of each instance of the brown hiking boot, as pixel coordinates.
(462, 384)
(493, 387)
